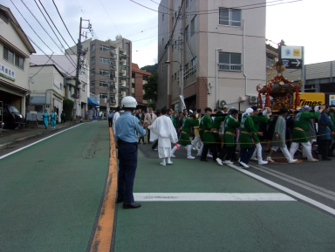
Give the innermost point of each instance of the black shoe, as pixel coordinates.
(331, 155)
(326, 159)
(131, 205)
(204, 160)
(119, 200)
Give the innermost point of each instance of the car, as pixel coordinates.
(12, 117)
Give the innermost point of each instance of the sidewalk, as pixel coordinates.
(9, 137)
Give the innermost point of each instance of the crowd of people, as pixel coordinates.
(221, 135)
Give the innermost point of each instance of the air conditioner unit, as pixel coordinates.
(253, 99)
(221, 103)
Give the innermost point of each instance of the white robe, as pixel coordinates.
(115, 117)
(163, 130)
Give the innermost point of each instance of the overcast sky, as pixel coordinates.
(307, 23)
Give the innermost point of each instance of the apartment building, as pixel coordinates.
(139, 79)
(211, 52)
(15, 50)
(110, 69)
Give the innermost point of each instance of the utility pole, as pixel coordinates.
(182, 15)
(77, 92)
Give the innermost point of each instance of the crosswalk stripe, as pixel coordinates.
(141, 197)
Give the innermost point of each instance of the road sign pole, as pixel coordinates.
(303, 74)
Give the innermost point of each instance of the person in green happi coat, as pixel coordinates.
(230, 124)
(184, 139)
(247, 145)
(216, 127)
(258, 118)
(299, 133)
(207, 135)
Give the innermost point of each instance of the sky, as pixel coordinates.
(307, 23)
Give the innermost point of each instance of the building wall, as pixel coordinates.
(14, 91)
(248, 40)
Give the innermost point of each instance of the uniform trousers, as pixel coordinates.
(307, 147)
(213, 149)
(245, 154)
(127, 155)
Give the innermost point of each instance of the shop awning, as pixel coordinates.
(93, 102)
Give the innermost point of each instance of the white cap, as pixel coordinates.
(191, 111)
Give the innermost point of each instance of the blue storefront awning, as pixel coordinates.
(93, 102)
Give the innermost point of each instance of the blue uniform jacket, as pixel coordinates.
(324, 127)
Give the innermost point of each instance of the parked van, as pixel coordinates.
(12, 117)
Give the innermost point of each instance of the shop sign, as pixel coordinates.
(7, 72)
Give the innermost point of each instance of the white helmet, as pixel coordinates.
(128, 102)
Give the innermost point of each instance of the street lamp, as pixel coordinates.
(181, 81)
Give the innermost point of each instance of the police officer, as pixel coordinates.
(126, 129)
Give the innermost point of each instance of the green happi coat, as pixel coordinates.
(332, 117)
(186, 130)
(216, 127)
(207, 124)
(230, 125)
(301, 125)
(247, 130)
(257, 120)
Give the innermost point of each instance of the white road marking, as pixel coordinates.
(286, 190)
(27, 146)
(212, 197)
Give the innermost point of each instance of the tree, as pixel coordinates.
(150, 90)
(67, 107)
(150, 68)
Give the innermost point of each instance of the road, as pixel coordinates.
(52, 192)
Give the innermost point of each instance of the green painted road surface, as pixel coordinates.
(215, 226)
(50, 192)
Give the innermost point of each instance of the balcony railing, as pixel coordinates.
(230, 67)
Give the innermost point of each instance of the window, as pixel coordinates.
(162, 41)
(194, 65)
(175, 76)
(92, 84)
(187, 3)
(112, 53)
(19, 61)
(104, 48)
(103, 84)
(163, 17)
(92, 72)
(93, 48)
(269, 62)
(93, 60)
(186, 73)
(186, 34)
(230, 61)
(104, 60)
(193, 26)
(13, 58)
(231, 17)
(103, 96)
(104, 72)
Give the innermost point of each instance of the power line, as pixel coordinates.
(148, 7)
(69, 74)
(63, 21)
(56, 27)
(45, 64)
(45, 31)
(109, 17)
(32, 27)
(74, 64)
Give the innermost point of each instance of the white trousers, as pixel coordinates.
(307, 148)
(284, 150)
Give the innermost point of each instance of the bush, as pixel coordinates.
(68, 108)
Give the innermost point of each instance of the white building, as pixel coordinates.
(58, 79)
(210, 51)
(15, 50)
